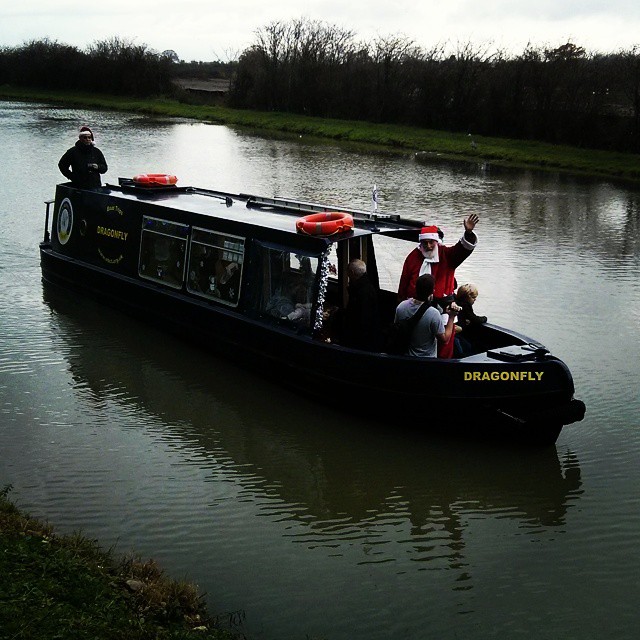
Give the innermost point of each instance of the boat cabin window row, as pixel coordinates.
(214, 265)
(211, 265)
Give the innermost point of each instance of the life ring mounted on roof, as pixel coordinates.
(325, 224)
(152, 179)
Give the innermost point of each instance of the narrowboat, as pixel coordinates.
(262, 280)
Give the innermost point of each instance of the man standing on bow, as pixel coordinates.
(431, 256)
(84, 162)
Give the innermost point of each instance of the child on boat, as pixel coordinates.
(467, 320)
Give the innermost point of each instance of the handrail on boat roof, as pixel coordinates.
(298, 206)
(285, 205)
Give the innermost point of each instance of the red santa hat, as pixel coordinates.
(429, 232)
(85, 129)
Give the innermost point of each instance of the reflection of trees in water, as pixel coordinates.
(587, 216)
(540, 209)
(344, 480)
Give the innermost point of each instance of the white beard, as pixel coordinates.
(429, 258)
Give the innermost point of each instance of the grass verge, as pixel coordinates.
(66, 587)
(375, 137)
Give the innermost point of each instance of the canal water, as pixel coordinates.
(299, 522)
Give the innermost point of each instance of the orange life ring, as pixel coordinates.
(155, 178)
(325, 224)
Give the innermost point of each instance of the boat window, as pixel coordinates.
(287, 287)
(162, 251)
(215, 265)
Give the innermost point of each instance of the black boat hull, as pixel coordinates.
(529, 400)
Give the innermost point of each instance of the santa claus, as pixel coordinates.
(431, 256)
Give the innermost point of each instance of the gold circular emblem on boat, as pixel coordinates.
(64, 225)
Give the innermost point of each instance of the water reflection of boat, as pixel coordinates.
(243, 281)
(281, 447)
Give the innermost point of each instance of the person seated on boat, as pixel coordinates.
(301, 313)
(431, 256)
(299, 292)
(290, 300)
(83, 163)
(467, 321)
(434, 328)
(329, 330)
(361, 328)
(279, 306)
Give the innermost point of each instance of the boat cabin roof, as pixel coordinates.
(260, 217)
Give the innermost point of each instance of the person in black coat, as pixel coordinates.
(362, 328)
(467, 321)
(84, 162)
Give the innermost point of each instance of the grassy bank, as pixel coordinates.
(54, 587)
(394, 138)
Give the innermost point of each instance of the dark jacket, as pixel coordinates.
(74, 165)
(467, 317)
(362, 329)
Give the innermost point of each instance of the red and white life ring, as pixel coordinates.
(325, 224)
(163, 179)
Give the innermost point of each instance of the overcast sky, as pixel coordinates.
(221, 29)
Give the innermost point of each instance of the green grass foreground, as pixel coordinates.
(376, 137)
(66, 587)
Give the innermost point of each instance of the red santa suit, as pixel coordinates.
(443, 269)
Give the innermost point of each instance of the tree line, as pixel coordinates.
(561, 95)
(114, 66)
